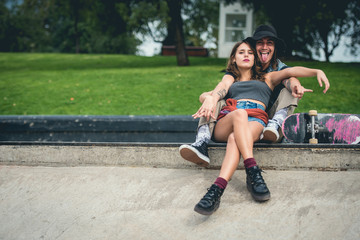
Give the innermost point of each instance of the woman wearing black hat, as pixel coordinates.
(241, 122)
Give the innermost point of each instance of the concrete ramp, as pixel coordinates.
(157, 203)
(147, 191)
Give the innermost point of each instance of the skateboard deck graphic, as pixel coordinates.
(326, 128)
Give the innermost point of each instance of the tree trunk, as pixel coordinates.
(324, 37)
(75, 7)
(170, 37)
(177, 24)
(77, 42)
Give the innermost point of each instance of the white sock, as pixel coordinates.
(203, 135)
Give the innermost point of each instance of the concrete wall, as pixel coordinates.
(67, 128)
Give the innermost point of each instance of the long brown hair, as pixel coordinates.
(232, 67)
(273, 61)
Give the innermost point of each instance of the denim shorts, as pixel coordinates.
(251, 105)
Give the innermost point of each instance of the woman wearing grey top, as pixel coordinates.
(243, 123)
(283, 101)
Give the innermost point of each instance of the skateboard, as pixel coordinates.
(313, 127)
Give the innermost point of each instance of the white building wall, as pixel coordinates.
(235, 24)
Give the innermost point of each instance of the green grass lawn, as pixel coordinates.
(69, 84)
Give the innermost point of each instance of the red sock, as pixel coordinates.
(250, 162)
(221, 182)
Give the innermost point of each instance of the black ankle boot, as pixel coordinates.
(211, 201)
(256, 184)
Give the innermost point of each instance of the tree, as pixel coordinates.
(74, 10)
(7, 36)
(308, 24)
(150, 17)
(26, 26)
(111, 31)
(91, 26)
(105, 26)
(176, 23)
(202, 19)
(202, 22)
(326, 23)
(353, 14)
(167, 15)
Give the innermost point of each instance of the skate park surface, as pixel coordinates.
(117, 191)
(137, 190)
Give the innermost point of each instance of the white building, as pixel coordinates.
(235, 24)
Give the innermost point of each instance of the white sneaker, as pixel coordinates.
(271, 134)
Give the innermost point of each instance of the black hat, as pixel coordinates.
(250, 40)
(268, 31)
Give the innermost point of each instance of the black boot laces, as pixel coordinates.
(256, 177)
(213, 194)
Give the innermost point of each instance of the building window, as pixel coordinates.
(235, 27)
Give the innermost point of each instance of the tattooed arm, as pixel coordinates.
(221, 93)
(294, 86)
(210, 99)
(286, 83)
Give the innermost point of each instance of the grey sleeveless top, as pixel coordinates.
(253, 89)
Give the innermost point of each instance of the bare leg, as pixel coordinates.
(231, 159)
(241, 135)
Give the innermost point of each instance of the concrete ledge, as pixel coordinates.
(165, 155)
(144, 141)
(67, 128)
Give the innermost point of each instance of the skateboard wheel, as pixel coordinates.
(313, 113)
(313, 141)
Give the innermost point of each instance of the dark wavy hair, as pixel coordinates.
(232, 67)
(273, 61)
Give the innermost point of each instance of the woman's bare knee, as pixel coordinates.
(231, 138)
(240, 115)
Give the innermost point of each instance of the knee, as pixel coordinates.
(240, 115)
(231, 138)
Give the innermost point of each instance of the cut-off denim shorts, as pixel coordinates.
(251, 105)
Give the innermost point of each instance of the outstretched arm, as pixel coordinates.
(275, 78)
(294, 86)
(210, 99)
